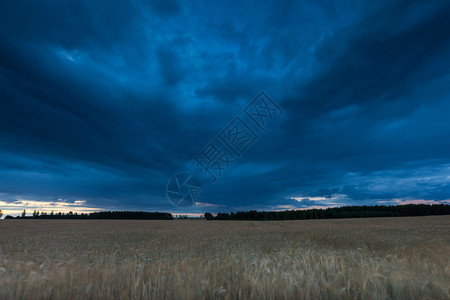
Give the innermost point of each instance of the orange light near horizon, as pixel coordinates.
(17, 207)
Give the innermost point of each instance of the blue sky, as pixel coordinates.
(102, 102)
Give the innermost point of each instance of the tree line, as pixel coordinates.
(328, 213)
(337, 212)
(120, 215)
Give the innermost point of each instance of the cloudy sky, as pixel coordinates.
(102, 102)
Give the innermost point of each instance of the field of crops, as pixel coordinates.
(381, 258)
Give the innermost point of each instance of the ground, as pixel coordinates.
(380, 258)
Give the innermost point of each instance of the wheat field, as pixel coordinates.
(380, 258)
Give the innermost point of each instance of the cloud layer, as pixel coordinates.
(103, 103)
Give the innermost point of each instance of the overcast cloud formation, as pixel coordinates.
(102, 102)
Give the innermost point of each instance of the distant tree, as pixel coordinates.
(223, 216)
(340, 212)
(127, 215)
(209, 216)
(130, 215)
(35, 214)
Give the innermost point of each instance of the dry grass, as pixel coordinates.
(383, 258)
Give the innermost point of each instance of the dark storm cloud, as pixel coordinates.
(170, 66)
(104, 102)
(374, 104)
(56, 114)
(374, 62)
(165, 7)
